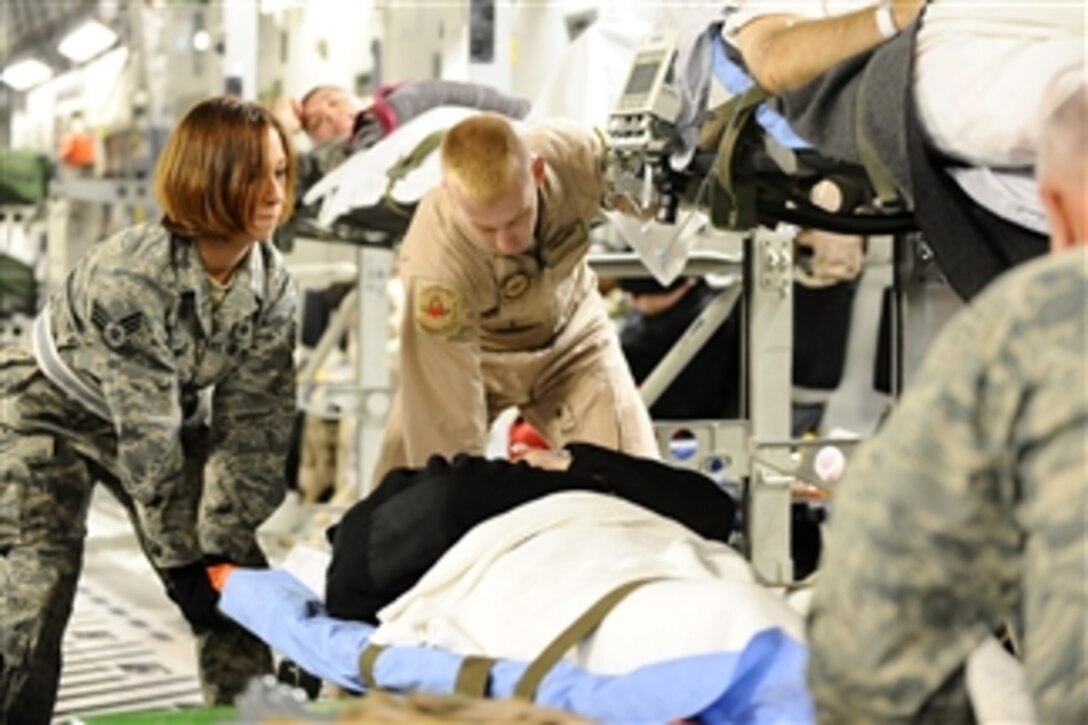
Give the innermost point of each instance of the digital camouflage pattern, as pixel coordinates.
(135, 322)
(969, 509)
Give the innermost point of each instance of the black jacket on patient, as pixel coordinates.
(387, 541)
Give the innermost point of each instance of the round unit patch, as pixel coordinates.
(515, 286)
(438, 309)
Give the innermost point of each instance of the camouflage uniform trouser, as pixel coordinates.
(45, 491)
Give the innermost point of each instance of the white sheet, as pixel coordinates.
(663, 248)
(703, 615)
(361, 180)
(510, 585)
(607, 47)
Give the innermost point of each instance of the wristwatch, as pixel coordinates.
(885, 20)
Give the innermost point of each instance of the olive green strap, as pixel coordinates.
(606, 149)
(886, 190)
(408, 163)
(473, 676)
(883, 185)
(879, 177)
(527, 686)
(732, 203)
(746, 105)
(366, 664)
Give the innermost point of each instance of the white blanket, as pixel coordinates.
(716, 610)
(361, 181)
(510, 585)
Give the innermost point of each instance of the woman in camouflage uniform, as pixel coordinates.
(163, 368)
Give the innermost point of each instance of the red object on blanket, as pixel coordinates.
(524, 438)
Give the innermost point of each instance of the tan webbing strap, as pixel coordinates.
(732, 205)
(473, 676)
(577, 631)
(717, 118)
(747, 103)
(408, 163)
(366, 664)
(606, 148)
(886, 190)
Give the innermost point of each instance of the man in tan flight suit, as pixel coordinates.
(502, 309)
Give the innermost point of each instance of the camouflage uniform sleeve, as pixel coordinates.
(252, 415)
(139, 383)
(921, 552)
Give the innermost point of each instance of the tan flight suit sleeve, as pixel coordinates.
(441, 402)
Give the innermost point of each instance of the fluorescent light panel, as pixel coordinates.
(26, 74)
(86, 41)
(202, 40)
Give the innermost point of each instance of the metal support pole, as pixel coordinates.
(690, 343)
(630, 264)
(770, 317)
(922, 303)
(57, 257)
(330, 338)
(372, 360)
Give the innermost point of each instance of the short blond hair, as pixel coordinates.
(484, 156)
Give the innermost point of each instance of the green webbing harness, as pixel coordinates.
(408, 163)
(366, 664)
(475, 671)
(473, 677)
(732, 199)
(578, 630)
(885, 188)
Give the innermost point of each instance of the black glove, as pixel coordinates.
(190, 588)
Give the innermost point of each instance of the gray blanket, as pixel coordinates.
(825, 111)
(972, 245)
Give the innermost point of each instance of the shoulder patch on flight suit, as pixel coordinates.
(438, 309)
(115, 332)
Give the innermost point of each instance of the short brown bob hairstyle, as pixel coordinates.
(204, 179)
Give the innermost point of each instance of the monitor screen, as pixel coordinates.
(642, 77)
